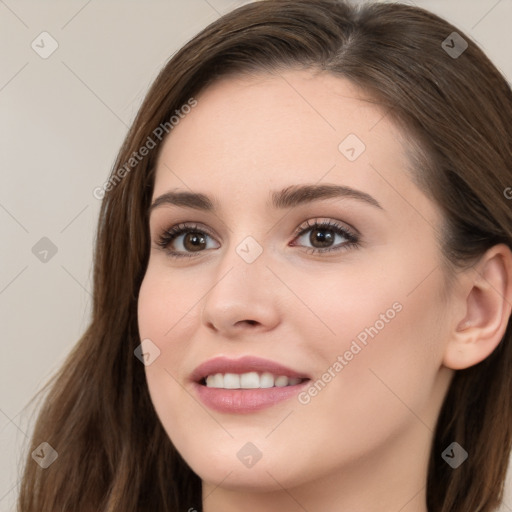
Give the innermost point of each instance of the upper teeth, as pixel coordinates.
(249, 380)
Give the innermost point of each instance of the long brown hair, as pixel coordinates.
(113, 454)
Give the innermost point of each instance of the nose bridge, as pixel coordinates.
(242, 270)
(241, 291)
(244, 247)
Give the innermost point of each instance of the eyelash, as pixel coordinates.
(169, 235)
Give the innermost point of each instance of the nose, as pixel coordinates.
(243, 295)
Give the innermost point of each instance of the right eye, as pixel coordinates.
(193, 239)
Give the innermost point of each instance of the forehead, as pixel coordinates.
(251, 134)
(267, 115)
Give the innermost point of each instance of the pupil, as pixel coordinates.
(194, 241)
(317, 235)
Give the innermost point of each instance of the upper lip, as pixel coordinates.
(242, 365)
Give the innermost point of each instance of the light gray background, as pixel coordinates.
(62, 121)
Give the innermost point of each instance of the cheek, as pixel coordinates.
(160, 317)
(165, 301)
(392, 348)
(166, 317)
(380, 337)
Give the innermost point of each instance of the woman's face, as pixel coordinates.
(365, 320)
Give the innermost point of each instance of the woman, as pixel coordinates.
(302, 283)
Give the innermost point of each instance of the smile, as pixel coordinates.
(245, 385)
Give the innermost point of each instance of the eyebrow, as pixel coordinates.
(288, 197)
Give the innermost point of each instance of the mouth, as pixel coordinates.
(245, 385)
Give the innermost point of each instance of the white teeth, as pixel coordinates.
(281, 381)
(266, 380)
(250, 380)
(215, 381)
(231, 381)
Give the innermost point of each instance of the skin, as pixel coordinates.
(363, 442)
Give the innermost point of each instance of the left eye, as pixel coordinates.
(322, 236)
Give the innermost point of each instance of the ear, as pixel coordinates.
(487, 304)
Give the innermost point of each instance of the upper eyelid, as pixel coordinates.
(181, 228)
(306, 224)
(329, 221)
(319, 202)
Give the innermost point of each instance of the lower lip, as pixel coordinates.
(245, 400)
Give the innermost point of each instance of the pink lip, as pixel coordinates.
(243, 400)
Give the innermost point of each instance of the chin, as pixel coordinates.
(243, 479)
(265, 475)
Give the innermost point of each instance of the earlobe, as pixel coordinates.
(487, 307)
